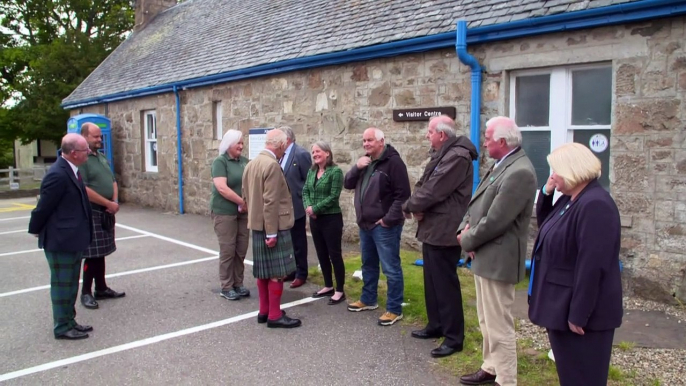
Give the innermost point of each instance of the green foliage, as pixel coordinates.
(47, 48)
(6, 153)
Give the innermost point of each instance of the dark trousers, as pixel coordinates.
(65, 269)
(93, 270)
(582, 359)
(443, 294)
(299, 237)
(327, 232)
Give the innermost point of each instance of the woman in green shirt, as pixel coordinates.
(321, 193)
(229, 214)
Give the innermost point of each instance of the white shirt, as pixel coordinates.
(285, 156)
(506, 155)
(74, 168)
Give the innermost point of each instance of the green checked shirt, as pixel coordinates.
(323, 195)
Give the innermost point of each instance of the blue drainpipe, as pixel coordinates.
(179, 154)
(475, 120)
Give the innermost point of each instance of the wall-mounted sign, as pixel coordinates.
(256, 139)
(422, 114)
(598, 143)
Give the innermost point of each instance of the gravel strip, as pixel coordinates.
(642, 365)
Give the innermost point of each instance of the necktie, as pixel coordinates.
(78, 176)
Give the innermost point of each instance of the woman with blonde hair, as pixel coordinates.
(575, 290)
(228, 213)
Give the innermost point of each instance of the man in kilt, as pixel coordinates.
(102, 194)
(62, 221)
(270, 217)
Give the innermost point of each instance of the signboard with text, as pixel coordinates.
(422, 114)
(256, 139)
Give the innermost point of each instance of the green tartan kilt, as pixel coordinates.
(274, 262)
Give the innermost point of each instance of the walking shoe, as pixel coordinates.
(242, 291)
(388, 318)
(230, 295)
(359, 306)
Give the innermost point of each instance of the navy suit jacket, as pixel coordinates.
(298, 163)
(576, 274)
(62, 219)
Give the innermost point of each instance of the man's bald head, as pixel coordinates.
(93, 135)
(74, 148)
(276, 142)
(86, 127)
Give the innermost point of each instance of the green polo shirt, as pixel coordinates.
(97, 175)
(232, 170)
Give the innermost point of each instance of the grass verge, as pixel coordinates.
(534, 368)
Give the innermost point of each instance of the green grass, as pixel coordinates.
(533, 367)
(626, 346)
(23, 186)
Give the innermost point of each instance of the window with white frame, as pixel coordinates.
(559, 105)
(217, 120)
(150, 138)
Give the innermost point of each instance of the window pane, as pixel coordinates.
(599, 143)
(532, 100)
(153, 153)
(536, 144)
(150, 126)
(591, 96)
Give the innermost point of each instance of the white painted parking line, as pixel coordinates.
(17, 231)
(14, 218)
(125, 273)
(40, 249)
(139, 343)
(169, 239)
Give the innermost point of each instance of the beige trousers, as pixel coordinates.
(232, 233)
(494, 301)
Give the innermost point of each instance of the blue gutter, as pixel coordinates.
(475, 109)
(179, 154)
(615, 14)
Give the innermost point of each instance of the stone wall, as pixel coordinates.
(648, 160)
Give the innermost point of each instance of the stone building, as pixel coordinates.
(607, 73)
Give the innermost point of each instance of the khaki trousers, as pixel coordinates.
(232, 233)
(494, 301)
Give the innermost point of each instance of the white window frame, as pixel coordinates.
(560, 108)
(148, 140)
(218, 129)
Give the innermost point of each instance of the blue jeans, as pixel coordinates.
(382, 245)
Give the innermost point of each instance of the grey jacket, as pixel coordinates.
(498, 218)
(295, 171)
(443, 192)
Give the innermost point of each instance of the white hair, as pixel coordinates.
(505, 128)
(231, 138)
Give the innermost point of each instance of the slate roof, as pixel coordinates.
(204, 37)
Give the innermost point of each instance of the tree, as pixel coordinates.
(47, 48)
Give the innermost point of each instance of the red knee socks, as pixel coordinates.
(263, 291)
(275, 291)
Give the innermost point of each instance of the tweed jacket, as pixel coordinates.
(266, 195)
(498, 216)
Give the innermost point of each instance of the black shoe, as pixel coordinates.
(478, 378)
(284, 322)
(83, 328)
(444, 351)
(334, 302)
(425, 334)
(72, 334)
(323, 294)
(109, 294)
(263, 318)
(89, 302)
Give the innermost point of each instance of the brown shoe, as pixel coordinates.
(478, 378)
(297, 283)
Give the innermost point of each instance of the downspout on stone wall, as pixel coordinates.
(179, 153)
(475, 109)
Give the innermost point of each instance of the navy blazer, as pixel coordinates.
(298, 163)
(62, 219)
(576, 274)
